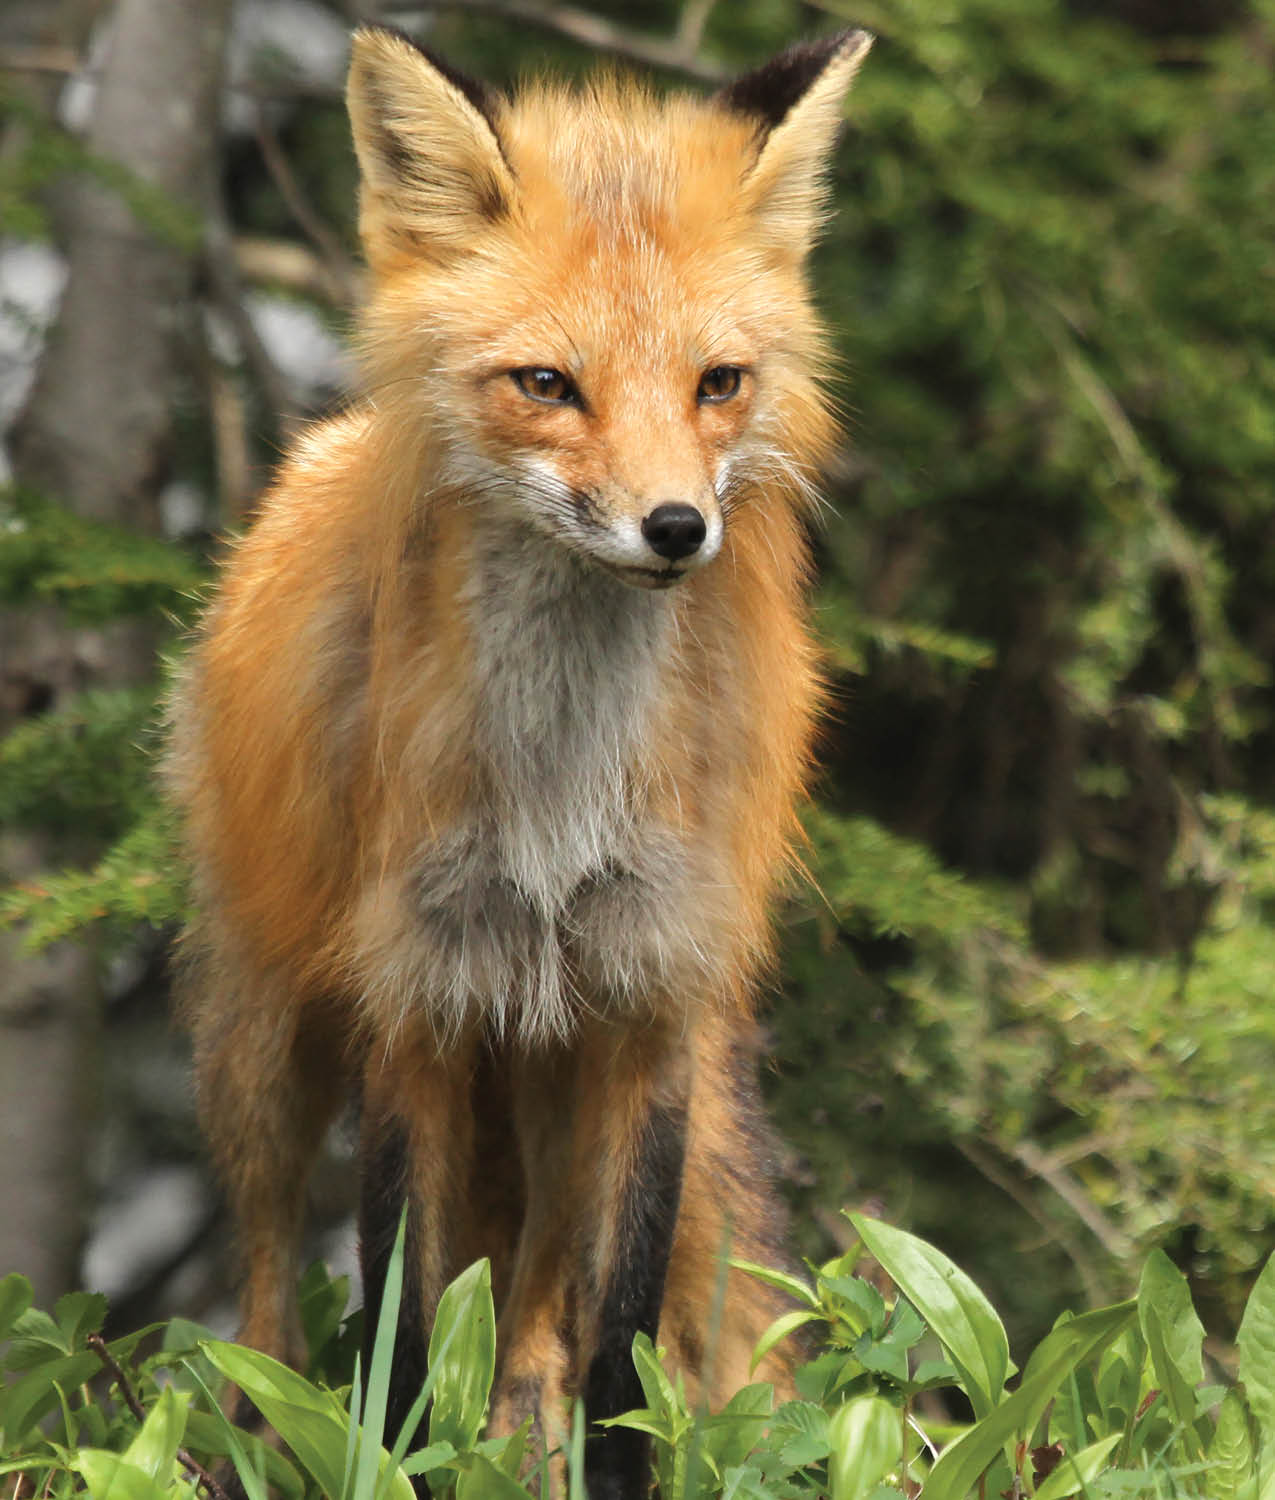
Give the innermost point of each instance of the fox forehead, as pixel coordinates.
(614, 154)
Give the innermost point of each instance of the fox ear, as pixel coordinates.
(795, 100)
(433, 171)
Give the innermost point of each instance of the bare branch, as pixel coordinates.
(593, 31)
(1112, 1239)
(260, 259)
(340, 270)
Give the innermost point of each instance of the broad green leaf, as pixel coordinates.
(154, 1449)
(111, 1477)
(36, 1337)
(1179, 1395)
(248, 1461)
(867, 1441)
(321, 1300)
(206, 1432)
(15, 1298)
(779, 1329)
(309, 1420)
(263, 1378)
(856, 1302)
(1230, 1455)
(656, 1386)
(961, 1462)
(35, 1394)
(425, 1459)
(960, 1316)
(1256, 1339)
(781, 1280)
(730, 1435)
(1165, 1299)
(480, 1479)
(79, 1314)
(1077, 1471)
(462, 1348)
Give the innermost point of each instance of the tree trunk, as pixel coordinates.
(96, 435)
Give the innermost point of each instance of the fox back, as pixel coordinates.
(490, 744)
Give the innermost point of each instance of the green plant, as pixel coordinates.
(1111, 1403)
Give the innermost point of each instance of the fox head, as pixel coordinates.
(591, 304)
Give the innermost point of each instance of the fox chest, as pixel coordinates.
(559, 888)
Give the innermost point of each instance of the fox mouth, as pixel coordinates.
(646, 578)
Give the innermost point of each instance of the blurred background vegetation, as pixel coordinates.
(1024, 1007)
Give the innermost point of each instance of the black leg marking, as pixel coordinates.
(616, 1464)
(385, 1165)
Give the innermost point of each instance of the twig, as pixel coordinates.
(985, 1162)
(223, 280)
(690, 29)
(335, 261)
(591, 31)
(1113, 1240)
(192, 1465)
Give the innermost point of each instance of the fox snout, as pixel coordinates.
(674, 530)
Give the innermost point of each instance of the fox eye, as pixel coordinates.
(546, 385)
(720, 383)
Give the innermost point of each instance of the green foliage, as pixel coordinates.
(83, 769)
(1047, 586)
(94, 571)
(1111, 1402)
(45, 154)
(138, 880)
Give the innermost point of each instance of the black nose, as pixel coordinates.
(674, 530)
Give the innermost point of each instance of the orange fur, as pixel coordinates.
(486, 800)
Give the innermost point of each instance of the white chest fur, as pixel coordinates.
(557, 889)
(569, 664)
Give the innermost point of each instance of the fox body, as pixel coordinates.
(489, 745)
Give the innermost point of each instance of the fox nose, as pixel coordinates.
(674, 530)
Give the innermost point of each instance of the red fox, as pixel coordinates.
(489, 747)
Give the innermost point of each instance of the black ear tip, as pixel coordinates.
(769, 92)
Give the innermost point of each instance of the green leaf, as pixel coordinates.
(79, 1314)
(1256, 1340)
(1230, 1455)
(1077, 1471)
(321, 1300)
(480, 1479)
(248, 1461)
(424, 1459)
(111, 1477)
(310, 1421)
(960, 1464)
(730, 1435)
(866, 1442)
(35, 1394)
(378, 1380)
(1164, 1293)
(656, 1386)
(1179, 1395)
(779, 1329)
(210, 1432)
(781, 1280)
(462, 1348)
(15, 1298)
(958, 1313)
(154, 1449)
